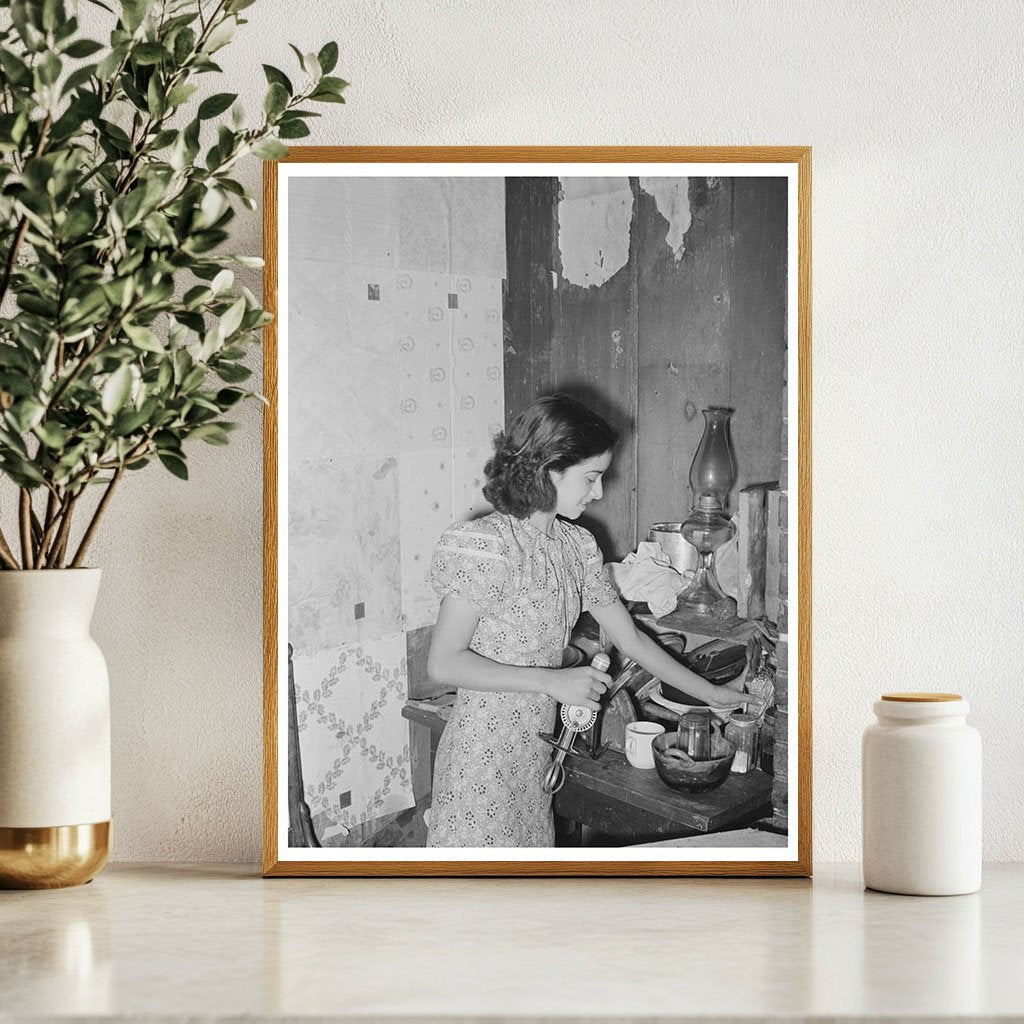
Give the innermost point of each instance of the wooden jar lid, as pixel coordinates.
(921, 698)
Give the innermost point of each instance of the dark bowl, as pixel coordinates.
(688, 775)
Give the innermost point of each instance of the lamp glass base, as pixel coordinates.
(705, 597)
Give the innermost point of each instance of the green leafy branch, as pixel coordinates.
(125, 335)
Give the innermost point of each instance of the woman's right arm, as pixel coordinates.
(452, 663)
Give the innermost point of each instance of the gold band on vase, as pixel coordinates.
(52, 857)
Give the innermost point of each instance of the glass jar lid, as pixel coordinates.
(743, 720)
(697, 716)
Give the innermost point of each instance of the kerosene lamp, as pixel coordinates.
(708, 527)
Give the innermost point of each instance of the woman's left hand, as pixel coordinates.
(754, 703)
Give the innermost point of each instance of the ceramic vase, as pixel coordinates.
(54, 731)
(921, 779)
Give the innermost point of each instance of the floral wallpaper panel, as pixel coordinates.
(468, 501)
(448, 336)
(425, 512)
(342, 363)
(422, 338)
(352, 737)
(478, 227)
(372, 209)
(344, 560)
(424, 221)
(478, 389)
(395, 353)
(319, 220)
(452, 225)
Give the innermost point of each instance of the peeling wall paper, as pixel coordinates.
(593, 228)
(352, 737)
(395, 389)
(671, 196)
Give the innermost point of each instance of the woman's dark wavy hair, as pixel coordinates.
(553, 433)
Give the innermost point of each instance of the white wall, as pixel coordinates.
(914, 113)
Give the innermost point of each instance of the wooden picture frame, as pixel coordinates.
(727, 175)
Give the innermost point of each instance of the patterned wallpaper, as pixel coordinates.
(395, 389)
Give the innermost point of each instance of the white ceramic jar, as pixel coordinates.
(921, 789)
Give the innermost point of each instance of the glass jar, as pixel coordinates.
(743, 731)
(694, 734)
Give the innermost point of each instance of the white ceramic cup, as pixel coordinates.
(639, 737)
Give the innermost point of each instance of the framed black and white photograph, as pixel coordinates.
(537, 512)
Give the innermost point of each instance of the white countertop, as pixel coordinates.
(174, 941)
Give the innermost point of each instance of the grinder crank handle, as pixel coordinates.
(575, 718)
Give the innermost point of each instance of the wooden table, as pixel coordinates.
(425, 728)
(633, 805)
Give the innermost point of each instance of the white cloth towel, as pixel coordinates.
(646, 575)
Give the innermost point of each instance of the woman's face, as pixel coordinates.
(579, 485)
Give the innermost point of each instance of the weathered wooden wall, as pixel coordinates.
(561, 337)
(669, 333)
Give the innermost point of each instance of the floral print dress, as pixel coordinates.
(529, 590)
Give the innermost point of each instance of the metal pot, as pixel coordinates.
(681, 554)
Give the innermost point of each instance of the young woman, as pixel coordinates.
(512, 586)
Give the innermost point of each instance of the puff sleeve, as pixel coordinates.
(470, 563)
(597, 591)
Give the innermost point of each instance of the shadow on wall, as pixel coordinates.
(617, 414)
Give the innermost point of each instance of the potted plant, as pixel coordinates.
(122, 341)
